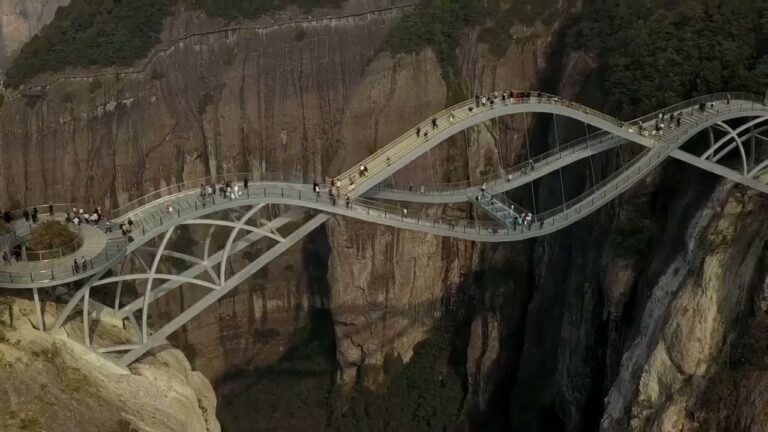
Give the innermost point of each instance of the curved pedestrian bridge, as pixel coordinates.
(367, 197)
(151, 217)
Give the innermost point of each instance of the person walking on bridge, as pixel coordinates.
(477, 99)
(434, 123)
(76, 267)
(85, 265)
(26, 215)
(418, 131)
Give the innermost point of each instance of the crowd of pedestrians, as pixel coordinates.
(226, 190)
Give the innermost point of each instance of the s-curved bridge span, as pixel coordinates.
(355, 194)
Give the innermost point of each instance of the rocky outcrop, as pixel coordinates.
(691, 320)
(20, 20)
(50, 382)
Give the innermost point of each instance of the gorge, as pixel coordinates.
(647, 315)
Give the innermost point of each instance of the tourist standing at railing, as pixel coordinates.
(434, 123)
(482, 188)
(418, 131)
(477, 100)
(85, 264)
(202, 191)
(6, 258)
(35, 214)
(26, 215)
(245, 184)
(50, 210)
(7, 216)
(76, 266)
(451, 117)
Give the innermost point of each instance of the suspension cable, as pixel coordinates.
(591, 166)
(560, 170)
(528, 148)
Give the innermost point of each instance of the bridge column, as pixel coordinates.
(38, 310)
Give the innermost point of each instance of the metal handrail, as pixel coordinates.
(181, 187)
(440, 188)
(537, 97)
(56, 253)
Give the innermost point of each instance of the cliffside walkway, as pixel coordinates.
(159, 214)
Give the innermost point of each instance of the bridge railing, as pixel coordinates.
(406, 142)
(186, 186)
(188, 202)
(114, 249)
(56, 253)
(596, 140)
(553, 154)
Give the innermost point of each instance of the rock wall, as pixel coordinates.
(20, 20)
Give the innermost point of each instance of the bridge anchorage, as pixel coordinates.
(125, 275)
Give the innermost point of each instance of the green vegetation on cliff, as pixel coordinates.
(653, 53)
(440, 23)
(89, 33)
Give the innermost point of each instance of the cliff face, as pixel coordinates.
(292, 101)
(20, 20)
(268, 99)
(49, 382)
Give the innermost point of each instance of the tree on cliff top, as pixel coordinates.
(91, 33)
